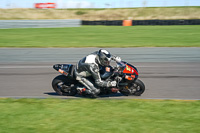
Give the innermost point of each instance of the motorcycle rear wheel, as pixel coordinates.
(62, 86)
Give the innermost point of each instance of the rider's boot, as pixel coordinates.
(90, 88)
(86, 92)
(81, 90)
(94, 93)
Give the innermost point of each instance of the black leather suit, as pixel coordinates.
(89, 66)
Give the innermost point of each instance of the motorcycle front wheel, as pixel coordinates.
(135, 88)
(63, 86)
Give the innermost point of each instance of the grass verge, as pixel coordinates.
(103, 36)
(99, 116)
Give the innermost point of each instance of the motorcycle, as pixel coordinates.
(125, 74)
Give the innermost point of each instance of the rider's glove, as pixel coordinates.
(112, 84)
(117, 58)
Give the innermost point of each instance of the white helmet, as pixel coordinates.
(104, 57)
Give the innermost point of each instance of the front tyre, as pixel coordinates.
(136, 88)
(62, 86)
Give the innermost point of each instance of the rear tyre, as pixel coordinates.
(62, 86)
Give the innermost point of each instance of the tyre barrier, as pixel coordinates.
(103, 22)
(143, 22)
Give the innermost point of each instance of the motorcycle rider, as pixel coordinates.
(90, 66)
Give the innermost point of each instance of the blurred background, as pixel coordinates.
(99, 3)
(100, 9)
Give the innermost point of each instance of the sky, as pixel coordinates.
(99, 3)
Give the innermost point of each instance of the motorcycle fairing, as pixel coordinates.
(130, 72)
(65, 69)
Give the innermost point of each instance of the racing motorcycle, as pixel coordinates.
(125, 74)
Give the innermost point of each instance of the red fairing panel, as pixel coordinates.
(130, 70)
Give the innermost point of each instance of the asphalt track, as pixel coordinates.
(168, 73)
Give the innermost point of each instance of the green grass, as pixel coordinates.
(98, 116)
(102, 36)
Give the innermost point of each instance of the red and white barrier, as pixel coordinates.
(45, 5)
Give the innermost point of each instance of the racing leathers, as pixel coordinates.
(90, 66)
